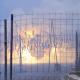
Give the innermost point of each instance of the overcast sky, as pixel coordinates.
(8, 6)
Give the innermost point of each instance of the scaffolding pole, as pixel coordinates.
(11, 47)
(5, 45)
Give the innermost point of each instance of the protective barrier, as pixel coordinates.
(40, 46)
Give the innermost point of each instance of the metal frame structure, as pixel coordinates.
(48, 31)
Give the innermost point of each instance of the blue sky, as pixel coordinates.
(7, 6)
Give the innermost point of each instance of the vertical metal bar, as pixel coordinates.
(50, 45)
(55, 46)
(5, 45)
(33, 32)
(11, 47)
(65, 40)
(60, 44)
(43, 42)
(37, 53)
(20, 55)
(76, 51)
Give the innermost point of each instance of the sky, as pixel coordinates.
(8, 6)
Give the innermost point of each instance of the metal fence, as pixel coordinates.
(39, 46)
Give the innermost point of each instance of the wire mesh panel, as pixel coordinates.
(44, 45)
